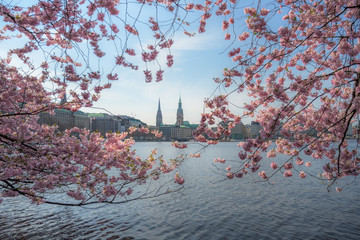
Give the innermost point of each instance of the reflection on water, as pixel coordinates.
(207, 208)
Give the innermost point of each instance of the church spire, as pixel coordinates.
(158, 116)
(179, 114)
(63, 99)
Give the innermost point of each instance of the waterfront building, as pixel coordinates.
(174, 132)
(105, 123)
(166, 131)
(182, 133)
(240, 131)
(131, 122)
(65, 119)
(255, 129)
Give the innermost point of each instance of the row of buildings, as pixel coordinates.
(181, 130)
(252, 130)
(104, 123)
(100, 122)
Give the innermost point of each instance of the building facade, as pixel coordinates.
(107, 124)
(65, 119)
(255, 129)
(239, 132)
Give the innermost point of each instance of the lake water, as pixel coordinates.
(207, 208)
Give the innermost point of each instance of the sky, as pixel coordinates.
(197, 60)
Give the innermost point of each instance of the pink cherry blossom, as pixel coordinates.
(239, 175)
(195, 155)
(299, 161)
(338, 189)
(230, 175)
(178, 179)
(170, 60)
(114, 28)
(302, 174)
(263, 174)
(288, 173)
(148, 76)
(288, 166)
(179, 145)
(131, 30)
(264, 12)
(300, 73)
(220, 160)
(271, 154)
(157, 133)
(244, 36)
(189, 6)
(101, 16)
(274, 165)
(225, 25)
(159, 75)
(131, 52)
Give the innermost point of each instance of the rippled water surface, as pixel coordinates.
(207, 208)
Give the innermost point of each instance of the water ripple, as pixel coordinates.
(239, 209)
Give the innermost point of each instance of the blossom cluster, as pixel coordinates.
(302, 79)
(37, 159)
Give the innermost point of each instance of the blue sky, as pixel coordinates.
(197, 61)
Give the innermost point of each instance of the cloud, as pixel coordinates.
(200, 42)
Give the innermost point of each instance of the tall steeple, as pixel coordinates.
(179, 114)
(63, 100)
(158, 116)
